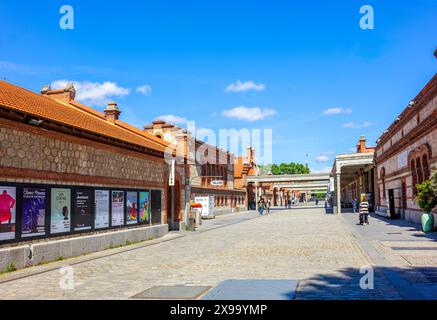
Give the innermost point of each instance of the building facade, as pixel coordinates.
(66, 169)
(202, 170)
(406, 154)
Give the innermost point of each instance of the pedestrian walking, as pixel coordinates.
(354, 205)
(364, 212)
(261, 206)
(268, 204)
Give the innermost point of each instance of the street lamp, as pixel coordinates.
(435, 52)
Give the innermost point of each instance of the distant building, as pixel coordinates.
(353, 176)
(244, 167)
(406, 154)
(210, 174)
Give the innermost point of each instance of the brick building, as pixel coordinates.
(406, 153)
(244, 167)
(66, 169)
(195, 174)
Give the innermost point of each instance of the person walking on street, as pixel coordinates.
(364, 212)
(261, 206)
(354, 205)
(268, 204)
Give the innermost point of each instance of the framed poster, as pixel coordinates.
(83, 210)
(131, 207)
(101, 218)
(117, 202)
(33, 212)
(144, 205)
(8, 197)
(60, 211)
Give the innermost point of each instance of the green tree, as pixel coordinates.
(426, 197)
(289, 168)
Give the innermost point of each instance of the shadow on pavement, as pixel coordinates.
(421, 284)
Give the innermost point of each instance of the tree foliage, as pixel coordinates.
(426, 197)
(289, 168)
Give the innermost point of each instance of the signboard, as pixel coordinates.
(117, 208)
(144, 205)
(60, 211)
(33, 212)
(83, 210)
(207, 205)
(217, 183)
(101, 218)
(171, 178)
(8, 196)
(131, 207)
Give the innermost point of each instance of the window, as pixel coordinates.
(383, 182)
(425, 166)
(414, 176)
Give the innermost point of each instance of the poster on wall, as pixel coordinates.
(117, 208)
(8, 196)
(33, 212)
(131, 207)
(144, 205)
(102, 209)
(60, 210)
(83, 210)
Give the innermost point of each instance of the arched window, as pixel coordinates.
(419, 170)
(425, 166)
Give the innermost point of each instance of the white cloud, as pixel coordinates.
(248, 114)
(333, 111)
(353, 125)
(322, 170)
(145, 89)
(172, 118)
(244, 86)
(322, 158)
(93, 93)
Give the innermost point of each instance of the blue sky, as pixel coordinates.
(295, 60)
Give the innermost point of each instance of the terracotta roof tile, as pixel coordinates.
(74, 115)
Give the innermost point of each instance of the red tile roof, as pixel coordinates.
(75, 115)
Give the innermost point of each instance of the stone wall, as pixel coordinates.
(72, 159)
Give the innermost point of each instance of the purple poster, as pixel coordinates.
(33, 210)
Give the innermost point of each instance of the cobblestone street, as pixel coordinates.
(324, 251)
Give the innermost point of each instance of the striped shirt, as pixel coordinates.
(364, 207)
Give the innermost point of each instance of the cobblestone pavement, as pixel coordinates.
(319, 249)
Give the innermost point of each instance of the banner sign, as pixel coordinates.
(101, 218)
(60, 210)
(33, 212)
(117, 208)
(83, 210)
(8, 197)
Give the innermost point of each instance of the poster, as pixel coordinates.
(131, 207)
(144, 205)
(60, 211)
(117, 208)
(8, 196)
(33, 212)
(102, 209)
(83, 210)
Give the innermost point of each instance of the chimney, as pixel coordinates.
(250, 154)
(65, 95)
(361, 146)
(112, 112)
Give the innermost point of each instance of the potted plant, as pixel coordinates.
(427, 200)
